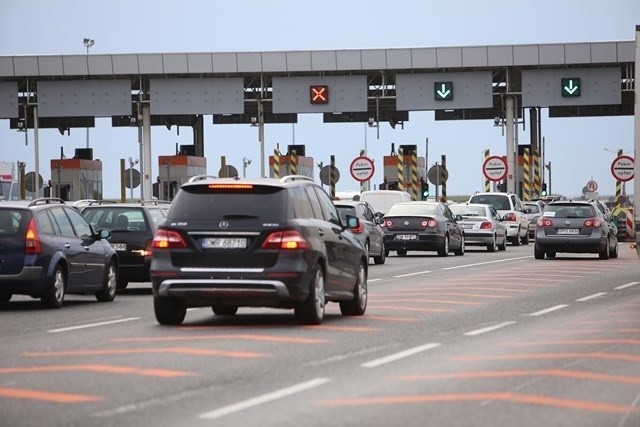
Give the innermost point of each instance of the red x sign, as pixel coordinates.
(319, 94)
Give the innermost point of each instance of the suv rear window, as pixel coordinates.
(571, 211)
(498, 201)
(13, 222)
(206, 202)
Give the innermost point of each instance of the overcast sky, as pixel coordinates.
(574, 146)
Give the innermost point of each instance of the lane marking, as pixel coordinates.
(529, 399)
(599, 294)
(572, 342)
(265, 398)
(400, 355)
(241, 337)
(107, 369)
(91, 325)
(553, 356)
(628, 285)
(412, 274)
(489, 329)
(487, 262)
(373, 280)
(422, 310)
(46, 396)
(549, 310)
(161, 350)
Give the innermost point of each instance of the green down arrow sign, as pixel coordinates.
(443, 91)
(570, 87)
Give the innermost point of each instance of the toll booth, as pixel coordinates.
(173, 171)
(412, 167)
(76, 179)
(294, 162)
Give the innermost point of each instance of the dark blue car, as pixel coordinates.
(48, 250)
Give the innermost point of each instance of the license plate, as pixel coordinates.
(224, 243)
(406, 237)
(466, 226)
(568, 231)
(120, 247)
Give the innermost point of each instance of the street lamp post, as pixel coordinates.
(88, 43)
(245, 162)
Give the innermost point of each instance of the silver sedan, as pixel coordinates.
(482, 225)
(369, 231)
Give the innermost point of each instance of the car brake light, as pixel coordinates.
(388, 223)
(592, 222)
(167, 239)
(543, 222)
(32, 241)
(510, 217)
(289, 239)
(147, 248)
(486, 225)
(429, 223)
(357, 230)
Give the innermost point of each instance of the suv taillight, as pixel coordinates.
(357, 230)
(544, 222)
(32, 241)
(167, 239)
(486, 225)
(289, 239)
(510, 217)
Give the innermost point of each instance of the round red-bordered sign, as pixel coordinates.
(362, 168)
(622, 168)
(495, 168)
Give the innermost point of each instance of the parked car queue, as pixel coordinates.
(231, 243)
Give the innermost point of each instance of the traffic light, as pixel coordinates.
(424, 190)
(544, 189)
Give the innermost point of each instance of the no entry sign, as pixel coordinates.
(362, 169)
(495, 168)
(622, 168)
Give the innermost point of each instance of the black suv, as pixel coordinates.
(235, 242)
(47, 250)
(132, 227)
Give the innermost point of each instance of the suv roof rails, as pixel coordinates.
(201, 177)
(155, 202)
(47, 200)
(288, 178)
(101, 202)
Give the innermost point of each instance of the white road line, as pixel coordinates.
(587, 298)
(489, 329)
(628, 285)
(373, 280)
(193, 308)
(411, 274)
(91, 325)
(549, 310)
(485, 263)
(269, 397)
(398, 356)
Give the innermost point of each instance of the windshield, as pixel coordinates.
(570, 211)
(468, 210)
(498, 201)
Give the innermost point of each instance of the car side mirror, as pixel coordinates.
(104, 233)
(352, 221)
(527, 210)
(458, 217)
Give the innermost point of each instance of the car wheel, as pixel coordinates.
(382, 257)
(460, 250)
(358, 305)
(169, 311)
(386, 252)
(54, 294)
(401, 252)
(224, 310)
(503, 245)
(525, 239)
(538, 253)
(367, 247)
(614, 253)
(605, 252)
(516, 239)
(551, 254)
(491, 247)
(444, 250)
(311, 310)
(122, 283)
(109, 287)
(5, 296)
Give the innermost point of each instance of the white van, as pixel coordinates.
(382, 200)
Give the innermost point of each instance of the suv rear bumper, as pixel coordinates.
(221, 288)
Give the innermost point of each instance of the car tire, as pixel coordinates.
(386, 252)
(614, 252)
(444, 250)
(401, 252)
(380, 259)
(604, 254)
(367, 248)
(311, 310)
(516, 239)
(54, 294)
(538, 253)
(525, 239)
(169, 311)
(491, 247)
(551, 254)
(358, 305)
(503, 245)
(5, 296)
(460, 250)
(122, 283)
(110, 284)
(224, 310)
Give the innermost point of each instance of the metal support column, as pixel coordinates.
(636, 132)
(510, 124)
(145, 163)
